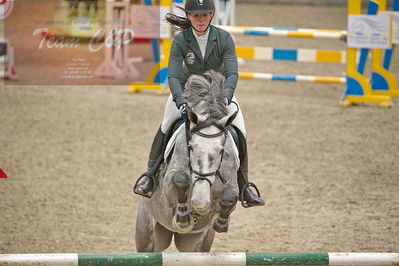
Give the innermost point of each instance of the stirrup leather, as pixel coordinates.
(249, 185)
(149, 175)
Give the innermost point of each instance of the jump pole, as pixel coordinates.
(286, 32)
(293, 78)
(298, 55)
(187, 259)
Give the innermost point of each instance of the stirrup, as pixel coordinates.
(249, 185)
(149, 175)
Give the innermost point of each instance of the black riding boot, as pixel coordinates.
(247, 197)
(145, 184)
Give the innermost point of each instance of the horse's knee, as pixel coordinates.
(228, 199)
(181, 181)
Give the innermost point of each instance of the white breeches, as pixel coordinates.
(171, 114)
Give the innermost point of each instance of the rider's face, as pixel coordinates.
(200, 21)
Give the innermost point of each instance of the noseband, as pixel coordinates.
(196, 130)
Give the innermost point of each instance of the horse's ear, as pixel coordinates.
(227, 120)
(192, 116)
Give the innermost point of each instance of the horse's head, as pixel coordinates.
(207, 140)
(207, 135)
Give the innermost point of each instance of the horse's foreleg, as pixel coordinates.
(197, 242)
(144, 230)
(228, 202)
(207, 241)
(163, 238)
(182, 219)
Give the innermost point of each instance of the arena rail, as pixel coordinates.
(237, 258)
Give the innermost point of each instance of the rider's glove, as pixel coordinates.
(184, 111)
(226, 101)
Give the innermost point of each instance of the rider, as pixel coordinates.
(198, 48)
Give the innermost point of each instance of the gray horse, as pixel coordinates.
(196, 186)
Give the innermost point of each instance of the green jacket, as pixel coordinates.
(186, 59)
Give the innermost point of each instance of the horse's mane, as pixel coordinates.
(208, 90)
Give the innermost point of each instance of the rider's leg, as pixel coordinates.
(145, 184)
(249, 198)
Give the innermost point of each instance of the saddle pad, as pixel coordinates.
(182, 127)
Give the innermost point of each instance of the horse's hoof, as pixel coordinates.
(221, 225)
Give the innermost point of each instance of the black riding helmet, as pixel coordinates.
(199, 6)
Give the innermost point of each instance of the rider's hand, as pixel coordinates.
(184, 111)
(226, 101)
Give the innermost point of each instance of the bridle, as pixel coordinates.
(197, 130)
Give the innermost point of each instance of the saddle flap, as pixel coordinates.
(172, 141)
